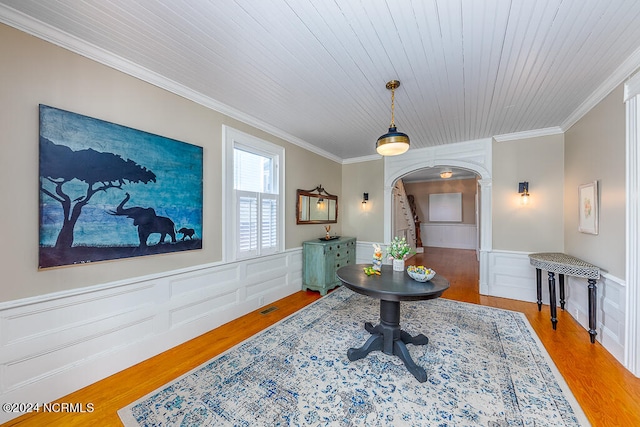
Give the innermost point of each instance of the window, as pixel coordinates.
(254, 181)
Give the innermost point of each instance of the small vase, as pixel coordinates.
(398, 264)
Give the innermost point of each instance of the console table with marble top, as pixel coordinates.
(555, 262)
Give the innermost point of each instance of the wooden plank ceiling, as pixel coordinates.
(315, 71)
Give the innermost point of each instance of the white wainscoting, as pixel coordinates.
(52, 345)
(364, 252)
(611, 293)
(458, 236)
(511, 276)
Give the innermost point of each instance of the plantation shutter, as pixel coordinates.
(269, 223)
(247, 232)
(256, 203)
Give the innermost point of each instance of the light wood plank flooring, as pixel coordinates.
(608, 393)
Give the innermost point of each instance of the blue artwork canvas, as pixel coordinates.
(109, 191)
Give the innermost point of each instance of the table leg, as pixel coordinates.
(592, 310)
(539, 287)
(419, 339)
(400, 350)
(552, 299)
(389, 324)
(375, 342)
(390, 339)
(561, 286)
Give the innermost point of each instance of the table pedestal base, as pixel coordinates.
(390, 339)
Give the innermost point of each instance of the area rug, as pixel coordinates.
(485, 367)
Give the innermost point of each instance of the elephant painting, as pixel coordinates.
(187, 232)
(147, 222)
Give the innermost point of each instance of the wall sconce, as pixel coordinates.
(523, 189)
(446, 174)
(365, 197)
(320, 203)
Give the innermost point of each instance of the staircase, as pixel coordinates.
(404, 222)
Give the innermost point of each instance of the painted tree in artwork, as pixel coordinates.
(99, 171)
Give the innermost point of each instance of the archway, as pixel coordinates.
(472, 155)
(456, 197)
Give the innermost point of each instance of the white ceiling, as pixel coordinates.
(314, 71)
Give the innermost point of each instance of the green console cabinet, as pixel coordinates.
(322, 258)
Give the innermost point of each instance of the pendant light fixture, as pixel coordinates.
(393, 142)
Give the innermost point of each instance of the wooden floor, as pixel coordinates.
(608, 393)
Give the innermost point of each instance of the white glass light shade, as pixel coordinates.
(392, 143)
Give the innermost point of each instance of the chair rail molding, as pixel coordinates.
(54, 344)
(513, 277)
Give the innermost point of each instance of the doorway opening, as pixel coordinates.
(473, 156)
(436, 210)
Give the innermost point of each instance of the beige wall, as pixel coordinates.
(595, 150)
(364, 222)
(35, 72)
(306, 171)
(538, 226)
(421, 191)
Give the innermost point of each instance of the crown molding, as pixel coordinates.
(361, 159)
(74, 44)
(624, 71)
(528, 134)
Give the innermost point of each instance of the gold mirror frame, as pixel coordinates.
(316, 206)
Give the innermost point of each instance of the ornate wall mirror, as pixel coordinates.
(316, 207)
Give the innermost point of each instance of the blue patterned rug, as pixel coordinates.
(485, 367)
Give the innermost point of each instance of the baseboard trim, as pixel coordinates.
(55, 344)
(511, 276)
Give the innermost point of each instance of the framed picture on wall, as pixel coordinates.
(108, 191)
(445, 207)
(588, 208)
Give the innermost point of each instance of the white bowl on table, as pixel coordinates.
(420, 273)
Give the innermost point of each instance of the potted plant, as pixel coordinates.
(398, 250)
